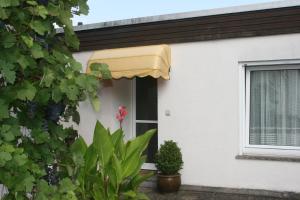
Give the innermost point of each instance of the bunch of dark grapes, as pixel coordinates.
(45, 126)
(51, 177)
(54, 111)
(43, 2)
(2, 24)
(31, 109)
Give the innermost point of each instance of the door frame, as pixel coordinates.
(147, 166)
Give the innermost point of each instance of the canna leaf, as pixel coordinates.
(139, 144)
(130, 164)
(116, 137)
(117, 168)
(103, 144)
(90, 159)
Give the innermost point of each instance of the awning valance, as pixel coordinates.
(154, 60)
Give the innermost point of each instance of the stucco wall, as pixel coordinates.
(111, 97)
(203, 99)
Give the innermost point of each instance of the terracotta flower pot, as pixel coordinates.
(168, 183)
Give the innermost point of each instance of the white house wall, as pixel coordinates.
(203, 99)
(111, 97)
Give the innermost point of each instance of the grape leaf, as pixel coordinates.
(42, 11)
(66, 185)
(39, 27)
(56, 94)
(7, 71)
(4, 113)
(53, 10)
(3, 13)
(76, 66)
(7, 147)
(8, 132)
(8, 40)
(43, 187)
(95, 103)
(100, 69)
(27, 40)
(4, 157)
(71, 39)
(26, 92)
(40, 136)
(25, 182)
(8, 3)
(9, 75)
(87, 82)
(83, 7)
(71, 90)
(65, 18)
(37, 51)
(33, 3)
(42, 96)
(20, 159)
(48, 77)
(23, 61)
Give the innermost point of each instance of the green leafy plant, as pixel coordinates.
(168, 159)
(41, 85)
(109, 169)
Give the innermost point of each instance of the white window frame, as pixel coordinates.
(246, 148)
(147, 166)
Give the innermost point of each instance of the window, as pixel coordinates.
(145, 104)
(272, 109)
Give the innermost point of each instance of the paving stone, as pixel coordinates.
(218, 195)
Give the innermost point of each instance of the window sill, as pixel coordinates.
(267, 158)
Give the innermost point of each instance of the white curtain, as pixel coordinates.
(275, 107)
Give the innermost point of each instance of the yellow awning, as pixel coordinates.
(154, 60)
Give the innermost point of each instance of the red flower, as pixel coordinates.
(121, 114)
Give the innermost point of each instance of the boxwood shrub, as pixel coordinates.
(168, 159)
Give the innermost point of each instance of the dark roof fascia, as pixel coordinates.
(275, 21)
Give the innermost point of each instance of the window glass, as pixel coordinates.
(153, 145)
(146, 112)
(146, 98)
(275, 107)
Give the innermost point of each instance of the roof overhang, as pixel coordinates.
(275, 18)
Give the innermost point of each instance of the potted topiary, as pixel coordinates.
(168, 161)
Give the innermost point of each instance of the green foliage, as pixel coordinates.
(109, 169)
(168, 159)
(37, 70)
(64, 191)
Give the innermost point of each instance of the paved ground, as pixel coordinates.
(211, 195)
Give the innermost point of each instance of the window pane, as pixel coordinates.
(146, 98)
(153, 145)
(275, 107)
